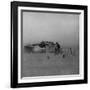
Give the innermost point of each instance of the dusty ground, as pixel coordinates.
(42, 64)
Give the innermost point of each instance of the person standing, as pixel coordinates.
(57, 48)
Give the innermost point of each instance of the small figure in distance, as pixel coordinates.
(71, 51)
(63, 55)
(57, 48)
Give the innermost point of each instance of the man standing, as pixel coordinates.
(57, 48)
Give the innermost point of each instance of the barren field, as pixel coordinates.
(45, 64)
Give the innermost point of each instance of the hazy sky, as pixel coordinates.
(62, 27)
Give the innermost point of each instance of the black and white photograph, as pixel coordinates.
(51, 44)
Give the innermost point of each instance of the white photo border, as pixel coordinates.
(81, 46)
